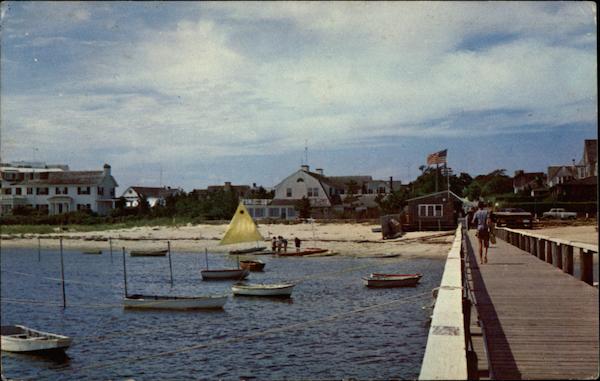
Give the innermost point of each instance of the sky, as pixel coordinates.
(191, 94)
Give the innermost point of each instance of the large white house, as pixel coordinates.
(326, 194)
(56, 189)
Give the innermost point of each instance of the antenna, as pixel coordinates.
(306, 152)
(161, 184)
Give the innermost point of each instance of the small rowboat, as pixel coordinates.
(237, 274)
(279, 290)
(148, 253)
(95, 252)
(391, 280)
(18, 338)
(252, 265)
(174, 302)
(307, 251)
(248, 251)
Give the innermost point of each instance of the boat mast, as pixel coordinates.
(124, 273)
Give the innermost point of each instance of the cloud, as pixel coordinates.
(217, 80)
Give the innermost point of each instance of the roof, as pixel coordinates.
(156, 192)
(68, 178)
(437, 193)
(591, 180)
(554, 170)
(590, 151)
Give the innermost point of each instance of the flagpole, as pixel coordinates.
(436, 176)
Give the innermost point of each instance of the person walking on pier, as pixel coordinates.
(480, 218)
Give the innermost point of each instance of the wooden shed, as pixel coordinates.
(435, 211)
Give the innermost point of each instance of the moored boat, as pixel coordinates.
(252, 265)
(279, 290)
(224, 274)
(307, 251)
(250, 250)
(148, 253)
(174, 302)
(18, 338)
(391, 280)
(95, 252)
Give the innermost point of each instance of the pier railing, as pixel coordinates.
(557, 252)
(446, 353)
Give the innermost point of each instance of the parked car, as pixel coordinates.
(559, 213)
(513, 217)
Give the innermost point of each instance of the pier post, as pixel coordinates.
(533, 246)
(567, 253)
(549, 251)
(556, 255)
(586, 267)
(541, 249)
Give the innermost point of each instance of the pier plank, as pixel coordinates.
(539, 322)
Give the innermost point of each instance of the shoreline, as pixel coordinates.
(352, 239)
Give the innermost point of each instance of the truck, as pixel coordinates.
(559, 213)
(513, 217)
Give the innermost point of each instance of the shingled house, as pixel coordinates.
(153, 195)
(434, 211)
(57, 190)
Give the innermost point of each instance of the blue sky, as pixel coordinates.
(215, 92)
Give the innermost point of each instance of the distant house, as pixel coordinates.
(153, 195)
(588, 166)
(577, 190)
(327, 195)
(56, 189)
(435, 211)
(527, 181)
(560, 174)
(240, 190)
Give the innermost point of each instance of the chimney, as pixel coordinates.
(391, 184)
(227, 186)
(106, 170)
(320, 171)
(304, 167)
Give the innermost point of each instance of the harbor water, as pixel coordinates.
(333, 327)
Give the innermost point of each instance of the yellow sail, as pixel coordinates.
(241, 228)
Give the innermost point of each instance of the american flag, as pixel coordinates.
(437, 158)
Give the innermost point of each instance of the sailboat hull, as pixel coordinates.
(174, 302)
(281, 290)
(224, 274)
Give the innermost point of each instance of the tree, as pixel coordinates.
(303, 207)
(393, 202)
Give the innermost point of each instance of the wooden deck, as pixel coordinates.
(538, 322)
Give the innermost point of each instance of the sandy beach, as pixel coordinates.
(349, 239)
(346, 239)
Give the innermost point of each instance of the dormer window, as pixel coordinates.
(300, 180)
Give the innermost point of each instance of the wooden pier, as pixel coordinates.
(531, 318)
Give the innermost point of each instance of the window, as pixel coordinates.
(431, 210)
(83, 190)
(313, 192)
(63, 190)
(18, 191)
(291, 212)
(288, 192)
(300, 180)
(259, 212)
(7, 191)
(29, 190)
(101, 191)
(42, 191)
(274, 212)
(112, 192)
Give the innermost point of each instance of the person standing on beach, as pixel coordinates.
(284, 245)
(297, 243)
(480, 220)
(274, 244)
(279, 243)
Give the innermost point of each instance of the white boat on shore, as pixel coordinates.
(174, 302)
(257, 289)
(18, 338)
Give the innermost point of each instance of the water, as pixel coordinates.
(325, 331)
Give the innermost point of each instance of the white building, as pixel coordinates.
(56, 189)
(153, 195)
(326, 194)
